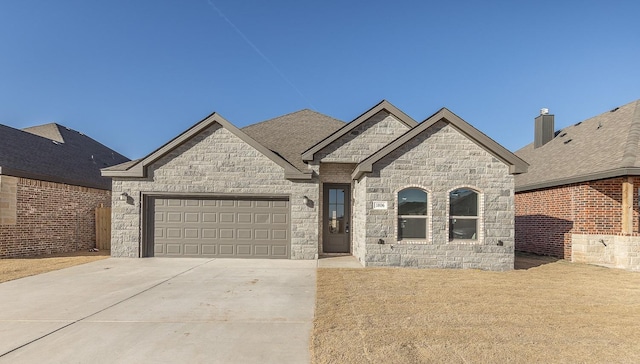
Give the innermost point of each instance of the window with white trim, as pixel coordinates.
(463, 214)
(412, 214)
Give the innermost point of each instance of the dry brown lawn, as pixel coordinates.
(14, 268)
(547, 311)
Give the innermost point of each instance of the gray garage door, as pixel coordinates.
(234, 228)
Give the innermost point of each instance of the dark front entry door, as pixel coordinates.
(336, 218)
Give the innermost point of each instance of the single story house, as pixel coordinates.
(579, 199)
(384, 188)
(50, 185)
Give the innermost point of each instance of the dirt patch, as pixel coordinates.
(546, 311)
(14, 268)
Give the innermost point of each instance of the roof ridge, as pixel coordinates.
(291, 113)
(631, 145)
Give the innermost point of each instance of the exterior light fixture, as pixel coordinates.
(123, 196)
(305, 199)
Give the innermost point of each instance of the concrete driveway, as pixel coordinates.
(157, 310)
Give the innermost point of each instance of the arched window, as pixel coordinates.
(412, 214)
(463, 214)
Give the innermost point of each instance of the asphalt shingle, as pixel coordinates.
(607, 142)
(52, 152)
(290, 135)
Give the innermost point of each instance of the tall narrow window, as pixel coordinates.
(463, 214)
(412, 214)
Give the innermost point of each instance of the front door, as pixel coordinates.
(336, 218)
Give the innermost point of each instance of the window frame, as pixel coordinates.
(427, 217)
(478, 218)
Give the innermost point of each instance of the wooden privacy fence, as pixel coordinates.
(103, 228)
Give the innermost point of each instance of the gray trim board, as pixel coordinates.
(138, 170)
(516, 165)
(385, 105)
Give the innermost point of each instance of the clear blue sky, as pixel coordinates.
(133, 74)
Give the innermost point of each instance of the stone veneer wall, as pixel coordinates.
(359, 220)
(438, 161)
(49, 217)
(616, 251)
(364, 140)
(214, 162)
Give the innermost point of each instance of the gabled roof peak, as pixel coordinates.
(516, 165)
(383, 105)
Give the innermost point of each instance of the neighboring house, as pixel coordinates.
(383, 188)
(50, 185)
(579, 200)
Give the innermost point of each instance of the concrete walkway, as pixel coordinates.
(157, 310)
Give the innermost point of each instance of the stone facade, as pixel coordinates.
(616, 251)
(438, 161)
(215, 162)
(437, 158)
(364, 140)
(45, 217)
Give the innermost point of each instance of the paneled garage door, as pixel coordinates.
(234, 228)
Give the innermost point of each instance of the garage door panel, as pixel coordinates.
(209, 217)
(242, 203)
(262, 218)
(173, 233)
(243, 250)
(191, 217)
(245, 217)
(244, 234)
(174, 217)
(279, 218)
(210, 233)
(209, 249)
(279, 251)
(191, 233)
(191, 249)
(227, 217)
(173, 249)
(261, 234)
(220, 227)
(226, 233)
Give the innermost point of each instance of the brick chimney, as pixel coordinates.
(544, 128)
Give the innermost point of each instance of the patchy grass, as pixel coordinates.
(14, 268)
(548, 311)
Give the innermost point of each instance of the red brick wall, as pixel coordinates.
(546, 218)
(52, 218)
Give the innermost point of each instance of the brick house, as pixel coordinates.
(384, 188)
(50, 185)
(579, 199)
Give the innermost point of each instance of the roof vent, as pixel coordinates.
(568, 141)
(614, 110)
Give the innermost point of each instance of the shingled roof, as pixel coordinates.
(290, 135)
(55, 153)
(604, 146)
